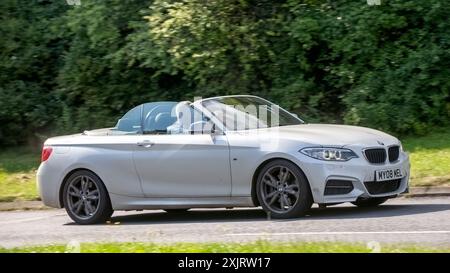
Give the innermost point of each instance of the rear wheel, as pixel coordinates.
(369, 202)
(283, 190)
(86, 199)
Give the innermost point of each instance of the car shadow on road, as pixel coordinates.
(387, 210)
(192, 216)
(255, 214)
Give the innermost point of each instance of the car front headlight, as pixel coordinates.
(329, 154)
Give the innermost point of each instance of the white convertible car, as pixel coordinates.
(231, 151)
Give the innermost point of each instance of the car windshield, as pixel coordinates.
(247, 112)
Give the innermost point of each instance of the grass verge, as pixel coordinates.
(430, 158)
(18, 174)
(254, 247)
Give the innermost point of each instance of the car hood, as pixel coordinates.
(332, 135)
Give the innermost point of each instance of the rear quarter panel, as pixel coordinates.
(110, 160)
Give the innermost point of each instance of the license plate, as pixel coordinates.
(383, 175)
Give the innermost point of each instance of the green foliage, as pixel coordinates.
(327, 61)
(222, 47)
(96, 83)
(69, 68)
(405, 73)
(29, 61)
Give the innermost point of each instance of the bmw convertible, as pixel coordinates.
(229, 151)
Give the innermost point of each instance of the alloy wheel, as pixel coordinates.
(280, 190)
(83, 197)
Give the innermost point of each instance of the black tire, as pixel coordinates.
(103, 209)
(369, 202)
(176, 210)
(303, 198)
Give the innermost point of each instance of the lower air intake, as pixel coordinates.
(336, 187)
(382, 186)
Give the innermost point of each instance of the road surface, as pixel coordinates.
(423, 221)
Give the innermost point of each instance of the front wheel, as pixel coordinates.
(86, 199)
(369, 202)
(283, 190)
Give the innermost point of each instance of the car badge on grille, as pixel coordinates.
(381, 143)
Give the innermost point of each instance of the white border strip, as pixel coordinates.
(343, 233)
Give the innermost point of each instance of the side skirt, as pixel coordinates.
(121, 202)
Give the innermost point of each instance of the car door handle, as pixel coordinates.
(145, 144)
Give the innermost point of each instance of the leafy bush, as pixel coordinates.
(70, 68)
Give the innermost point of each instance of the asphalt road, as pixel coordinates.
(423, 221)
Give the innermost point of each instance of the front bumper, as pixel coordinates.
(356, 170)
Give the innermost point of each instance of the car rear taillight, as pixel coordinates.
(46, 152)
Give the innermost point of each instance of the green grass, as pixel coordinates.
(253, 247)
(430, 158)
(430, 161)
(18, 174)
